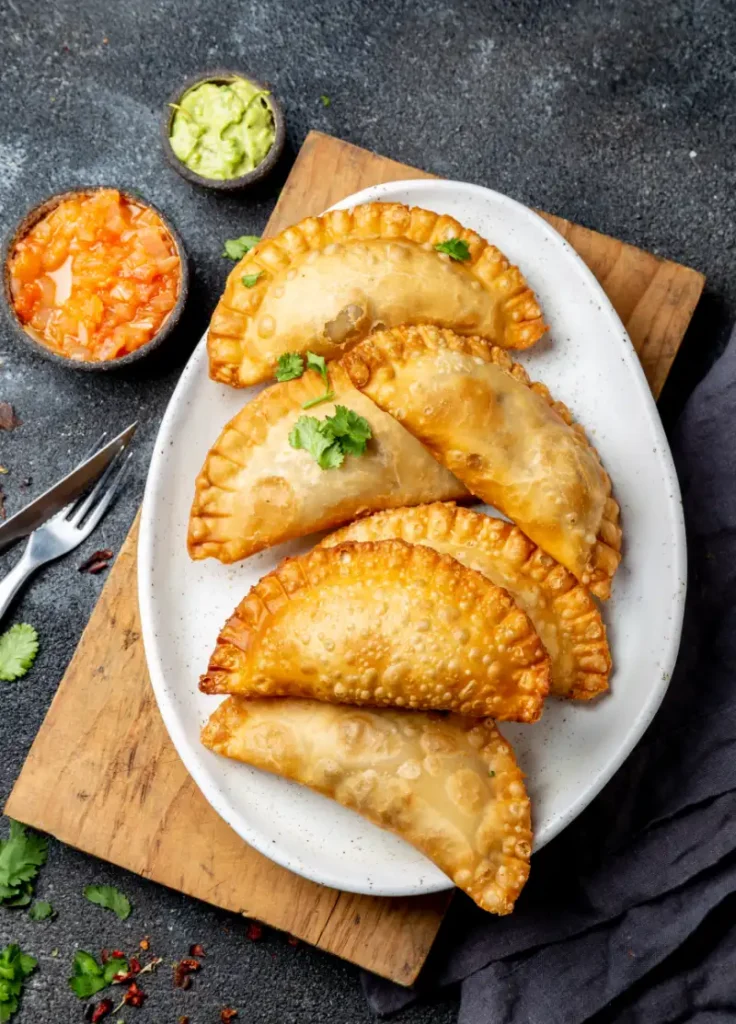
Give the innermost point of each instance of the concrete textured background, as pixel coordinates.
(618, 115)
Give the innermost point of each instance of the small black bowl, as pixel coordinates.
(244, 181)
(165, 331)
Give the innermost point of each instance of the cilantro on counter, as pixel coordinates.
(15, 966)
(21, 855)
(18, 649)
(110, 898)
(236, 248)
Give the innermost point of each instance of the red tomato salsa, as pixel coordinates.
(96, 277)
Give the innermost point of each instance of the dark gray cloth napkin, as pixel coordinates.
(630, 915)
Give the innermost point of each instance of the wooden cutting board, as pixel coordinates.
(102, 774)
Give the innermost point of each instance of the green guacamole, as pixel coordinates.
(222, 130)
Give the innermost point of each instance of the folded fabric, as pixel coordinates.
(651, 863)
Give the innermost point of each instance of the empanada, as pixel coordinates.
(384, 624)
(326, 282)
(561, 609)
(448, 785)
(505, 437)
(255, 490)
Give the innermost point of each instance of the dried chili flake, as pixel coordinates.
(227, 1015)
(117, 954)
(3, 513)
(183, 970)
(104, 956)
(293, 940)
(183, 1020)
(197, 950)
(96, 562)
(254, 931)
(135, 996)
(145, 943)
(8, 418)
(101, 1010)
(134, 965)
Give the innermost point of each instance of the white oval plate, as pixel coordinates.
(589, 363)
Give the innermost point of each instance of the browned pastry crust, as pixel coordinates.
(505, 437)
(255, 490)
(328, 281)
(448, 785)
(561, 610)
(387, 624)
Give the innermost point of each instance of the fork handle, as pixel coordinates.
(11, 584)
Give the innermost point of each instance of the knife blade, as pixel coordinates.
(65, 491)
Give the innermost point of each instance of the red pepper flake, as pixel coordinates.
(117, 954)
(101, 1010)
(96, 562)
(182, 972)
(135, 996)
(134, 965)
(105, 955)
(8, 418)
(254, 931)
(145, 943)
(197, 950)
(227, 1015)
(183, 1020)
(292, 940)
(3, 513)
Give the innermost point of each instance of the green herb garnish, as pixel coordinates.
(15, 966)
(41, 911)
(289, 366)
(236, 248)
(21, 855)
(455, 248)
(249, 280)
(326, 101)
(329, 440)
(89, 977)
(315, 362)
(110, 898)
(18, 649)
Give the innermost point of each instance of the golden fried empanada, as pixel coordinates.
(255, 490)
(561, 609)
(448, 785)
(326, 282)
(384, 624)
(513, 446)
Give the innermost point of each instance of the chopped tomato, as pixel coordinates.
(97, 277)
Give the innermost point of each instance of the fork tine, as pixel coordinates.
(107, 499)
(80, 511)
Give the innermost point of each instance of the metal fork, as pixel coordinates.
(66, 530)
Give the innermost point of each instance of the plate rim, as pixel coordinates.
(145, 562)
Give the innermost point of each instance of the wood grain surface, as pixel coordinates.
(102, 774)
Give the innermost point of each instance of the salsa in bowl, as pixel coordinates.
(95, 278)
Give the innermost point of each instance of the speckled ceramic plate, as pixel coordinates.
(589, 363)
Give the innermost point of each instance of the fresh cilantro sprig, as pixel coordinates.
(21, 855)
(236, 248)
(326, 101)
(15, 966)
(251, 280)
(328, 441)
(291, 365)
(110, 898)
(41, 911)
(18, 649)
(89, 977)
(455, 248)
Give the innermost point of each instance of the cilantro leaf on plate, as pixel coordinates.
(318, 400)
(332, 457)
(329, 440)
(21, 855)
(18, 649)
(289, 366)
(236, 248)
(352, 430)
(455, 248)
(41, 911)
(15, 966)
(110, 898)
(249, 280)
(315, 362)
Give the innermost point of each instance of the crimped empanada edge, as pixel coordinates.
(524, 323)
(450, 522)
(370, 356)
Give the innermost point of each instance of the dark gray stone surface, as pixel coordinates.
(618, 115)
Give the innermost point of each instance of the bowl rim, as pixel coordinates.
(243, 181)
(29, 221)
